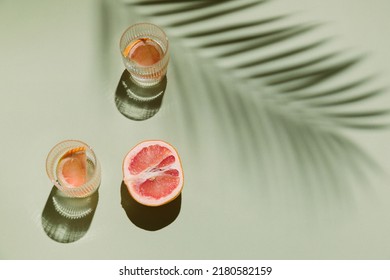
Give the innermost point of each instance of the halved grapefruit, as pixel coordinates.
(153, 173)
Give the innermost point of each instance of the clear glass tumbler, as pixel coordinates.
(144, 50)
(73, 168)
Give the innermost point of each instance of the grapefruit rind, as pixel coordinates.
(133, 181)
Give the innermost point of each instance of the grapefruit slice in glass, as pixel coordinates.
(72, 167)
(153, 173)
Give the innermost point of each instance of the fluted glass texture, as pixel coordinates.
(145, 75)
(92, 181)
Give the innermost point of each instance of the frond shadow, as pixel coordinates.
(286, 108)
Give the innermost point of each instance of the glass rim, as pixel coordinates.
(65, 186)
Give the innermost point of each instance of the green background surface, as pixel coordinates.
(60, 66)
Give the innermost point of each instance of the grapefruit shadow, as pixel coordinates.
(146, 217)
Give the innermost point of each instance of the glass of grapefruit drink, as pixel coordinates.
(73, 168)
(144, 50)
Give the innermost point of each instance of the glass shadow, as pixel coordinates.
(138, 103)
(146, 217)
(67, 219)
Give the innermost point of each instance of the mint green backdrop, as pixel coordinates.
(274, 168)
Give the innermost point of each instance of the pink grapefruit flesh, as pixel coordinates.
(152, 173)
(72, 167)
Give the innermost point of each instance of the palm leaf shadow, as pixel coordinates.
(288, 106)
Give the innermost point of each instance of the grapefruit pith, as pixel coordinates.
(153, 173)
